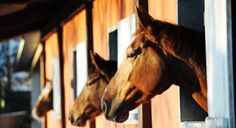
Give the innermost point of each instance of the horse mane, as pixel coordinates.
(183, 43)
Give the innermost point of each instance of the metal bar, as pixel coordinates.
(61, 59)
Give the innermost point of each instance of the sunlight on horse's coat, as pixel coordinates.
(161, 54)
(87, 104)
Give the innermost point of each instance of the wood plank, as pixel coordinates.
(146, 115)
(72, 8)
(34, 16)
(24, 21)
(89, 24)
(13, 32)
(14, 1)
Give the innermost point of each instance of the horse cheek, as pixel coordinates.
(146, 74)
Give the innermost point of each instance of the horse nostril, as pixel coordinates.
(103, 106)
(71, 119)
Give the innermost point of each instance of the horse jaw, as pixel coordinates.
(126, 91)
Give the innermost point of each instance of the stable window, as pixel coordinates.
(125, 30)
(80, 67)
(74, 84)
(112, 39)
(119, 38)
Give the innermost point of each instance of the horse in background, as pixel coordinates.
(161, 54)
(44, 102)
(87, 104)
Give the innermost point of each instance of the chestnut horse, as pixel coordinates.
(161, 54)
(87, 104)
(44, 102)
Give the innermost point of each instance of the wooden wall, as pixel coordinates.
(51, 51)
(74, 31)
(106, 13)
(165, 107)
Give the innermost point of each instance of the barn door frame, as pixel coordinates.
(218, 31)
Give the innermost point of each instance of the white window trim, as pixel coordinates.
(82, 66)
(56, 83)
(219, 64)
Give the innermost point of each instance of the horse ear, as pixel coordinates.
(144, 18)
(96, 60)
(92, 57)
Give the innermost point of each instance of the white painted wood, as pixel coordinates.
(56, 88)
(193, 124)
(219, 59)
(82, 70)
(215, 122)
(126, 29)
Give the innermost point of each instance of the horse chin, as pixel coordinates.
(80, 121)
(39, 114)
(121, 117)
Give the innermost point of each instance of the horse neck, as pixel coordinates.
(182, 75)
(186, 45)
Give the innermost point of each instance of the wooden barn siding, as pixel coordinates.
(106, 14)
(165, 107)
(74, 31)
(51, 51)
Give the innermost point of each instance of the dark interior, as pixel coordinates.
(21, 16)
(188, 12)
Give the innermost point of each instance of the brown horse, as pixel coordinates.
(161, 54)
(44, 102)
(87, 104)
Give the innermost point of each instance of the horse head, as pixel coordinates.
(87, 104)
(160, 55)
(44, 102)
(141, 75)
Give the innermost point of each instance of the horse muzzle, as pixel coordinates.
(80, 121)
(117, 115)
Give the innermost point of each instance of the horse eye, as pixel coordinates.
(131, 55)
